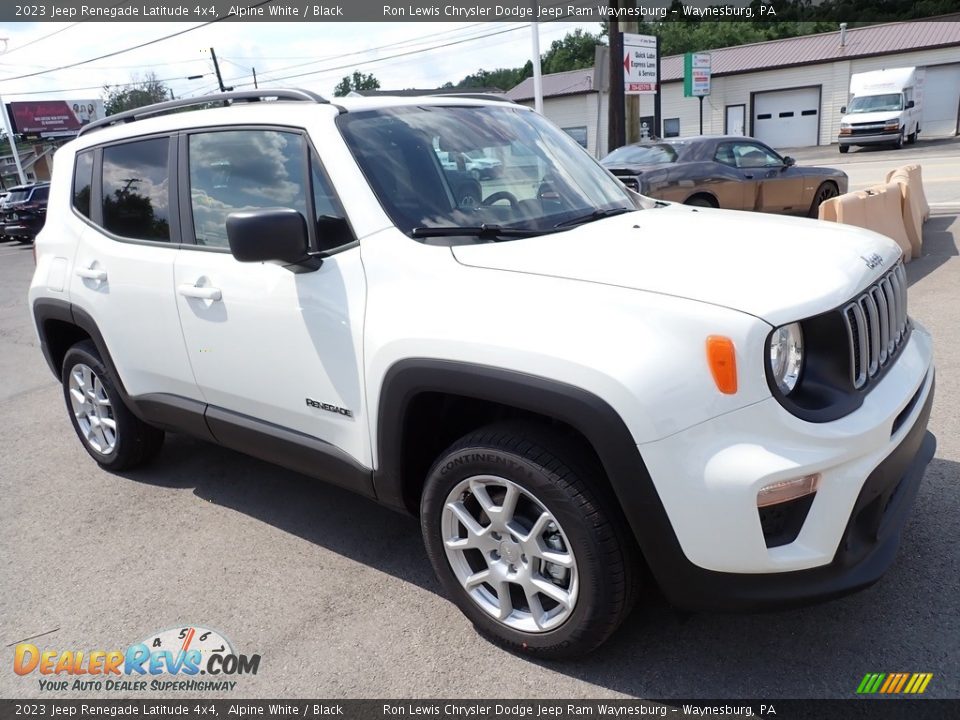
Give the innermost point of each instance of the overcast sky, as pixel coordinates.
(327, 51)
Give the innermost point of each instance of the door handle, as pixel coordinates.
(203, 293)
(92, 273)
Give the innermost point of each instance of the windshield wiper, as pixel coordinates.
(484, 231)
(595, 215)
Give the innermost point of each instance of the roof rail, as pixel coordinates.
(171, 105)
(477, 96)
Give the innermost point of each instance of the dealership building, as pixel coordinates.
(787, 93)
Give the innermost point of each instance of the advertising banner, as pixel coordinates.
(53, 118)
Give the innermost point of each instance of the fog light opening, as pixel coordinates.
(787, 490)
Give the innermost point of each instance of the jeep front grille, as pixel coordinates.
(877, 325)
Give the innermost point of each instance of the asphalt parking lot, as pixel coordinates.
(336, 593)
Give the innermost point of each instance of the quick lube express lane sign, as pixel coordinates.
(639, 64)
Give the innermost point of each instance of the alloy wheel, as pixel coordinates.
(92, 409)
(510, 554)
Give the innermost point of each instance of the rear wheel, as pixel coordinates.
(826, 191)
(112, 435)
(912, 138)
(525, 543)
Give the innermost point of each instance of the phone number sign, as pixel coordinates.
(639, 64)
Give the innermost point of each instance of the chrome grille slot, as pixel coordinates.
(877, 327)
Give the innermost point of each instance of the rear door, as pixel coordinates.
(123, 268)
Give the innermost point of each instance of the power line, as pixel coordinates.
(130, 49)
(34, 42)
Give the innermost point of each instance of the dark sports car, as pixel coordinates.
(734, 172)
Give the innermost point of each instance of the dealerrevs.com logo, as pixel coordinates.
(186, 658)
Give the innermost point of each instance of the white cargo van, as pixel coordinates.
(884, 108)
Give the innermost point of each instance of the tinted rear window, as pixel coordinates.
(136, 202)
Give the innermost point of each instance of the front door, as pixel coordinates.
(268, 343)
(774, 186)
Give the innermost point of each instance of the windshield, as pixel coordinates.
(421, 161)
(642, 155)
(876, 103)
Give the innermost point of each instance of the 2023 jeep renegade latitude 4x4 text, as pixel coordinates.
(564, 380)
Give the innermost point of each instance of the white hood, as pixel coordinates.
(777, 268)
(872, 117)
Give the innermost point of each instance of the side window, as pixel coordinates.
(725, 155)
(332, 228)
(82, 182)
(753, 156)
(136, 201)
(235, 170)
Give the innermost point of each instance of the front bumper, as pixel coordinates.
(877, 139)
(870, 462)
(867, 549)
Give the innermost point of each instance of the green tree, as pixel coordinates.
(357, 81)
(573, 52)
(135, 94)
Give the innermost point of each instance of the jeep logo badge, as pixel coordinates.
(872, 260)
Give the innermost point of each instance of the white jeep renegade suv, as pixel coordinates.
(564, 380)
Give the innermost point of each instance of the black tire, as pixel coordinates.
(844, 149)
(899, 142)
(565, 480)
(912, 138)
(827, 190)
(24, 240)
(136, 443)
(701, 201)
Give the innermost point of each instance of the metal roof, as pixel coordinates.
(867, 41)
(824, 47)
(572, 82)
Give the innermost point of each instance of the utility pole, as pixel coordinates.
(657, 128)
(255, 78)
(216, 67)
(631, 118)
(616, 135)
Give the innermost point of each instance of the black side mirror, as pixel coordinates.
(789, 161)
(910, 104)
(843, 110)
(277, 235)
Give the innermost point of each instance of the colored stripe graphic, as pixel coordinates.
(894, 683)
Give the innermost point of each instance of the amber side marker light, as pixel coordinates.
(722, 359)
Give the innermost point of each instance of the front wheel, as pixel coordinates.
(899, 142)
(521, 535)
(844, 149)
(109, 432)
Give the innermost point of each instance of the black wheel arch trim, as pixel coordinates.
(590, 415)
(45, 309)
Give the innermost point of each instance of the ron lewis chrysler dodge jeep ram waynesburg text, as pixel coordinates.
(564, 380)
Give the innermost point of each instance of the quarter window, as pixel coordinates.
(237, 170)
(82, 182)
(136, 199)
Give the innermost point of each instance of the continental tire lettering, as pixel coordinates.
(491, 458)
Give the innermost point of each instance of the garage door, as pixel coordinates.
(787, 118)
(941, 100)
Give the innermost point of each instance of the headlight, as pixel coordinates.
(893, 124)
(786, 356)
(845, 126)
